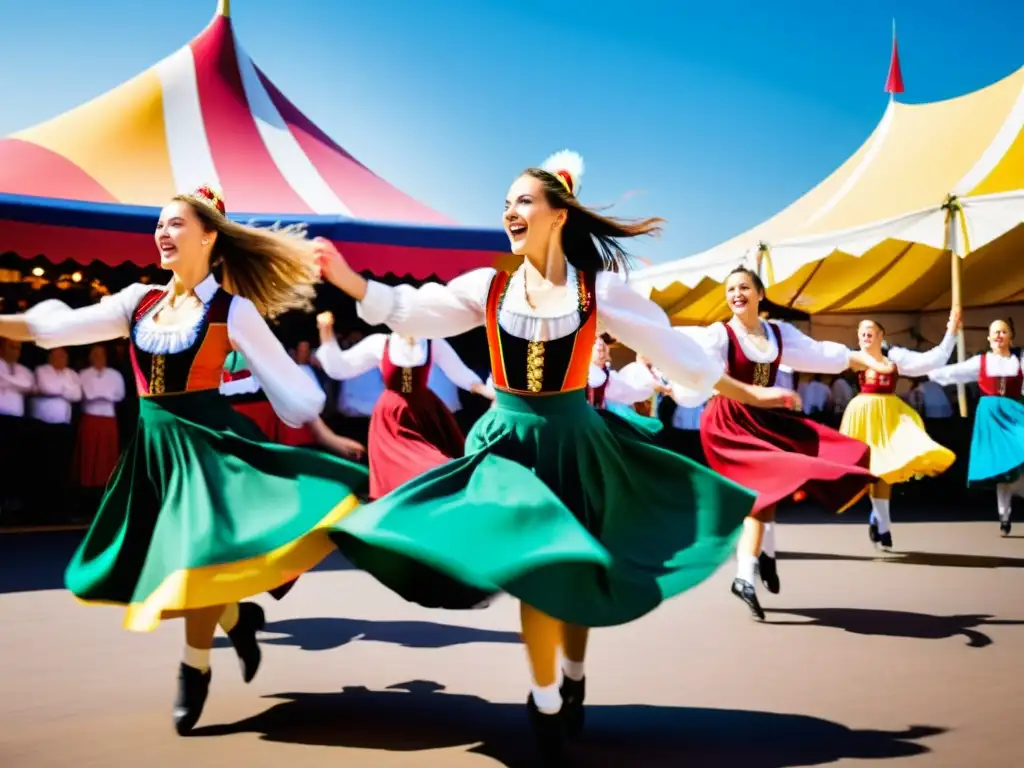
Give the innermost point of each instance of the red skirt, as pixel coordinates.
(261, 412)
(294, 436)
(409, 434)
(97, 450)
(777, 453)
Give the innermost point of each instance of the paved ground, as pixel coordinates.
(915, 660)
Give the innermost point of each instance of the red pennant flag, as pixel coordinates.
(894, 82)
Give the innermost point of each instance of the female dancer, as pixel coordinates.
(411, 430)
(997, 445)
(900, 447)
(620, 391)
(200, 512)
(559, 504)
(775, 453)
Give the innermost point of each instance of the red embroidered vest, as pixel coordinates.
(198, 368)
(874, 383)
(541, 367)
(746, 370)
(999, 386)
(405, 380)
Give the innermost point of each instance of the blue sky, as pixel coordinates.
(712, 115)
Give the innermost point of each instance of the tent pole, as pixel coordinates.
(953, 240)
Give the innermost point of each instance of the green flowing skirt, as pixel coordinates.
(573, 510)
(202, 511)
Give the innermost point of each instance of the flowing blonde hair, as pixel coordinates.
(273, 267)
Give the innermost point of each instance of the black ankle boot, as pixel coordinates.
(769, 573)
(1004, 527)
(251, 619)
(573, 693)
(873, 532)
(548, 734)
(193, 688)
(885, 541)
(745, 591)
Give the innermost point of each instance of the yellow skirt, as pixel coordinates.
(900, 448)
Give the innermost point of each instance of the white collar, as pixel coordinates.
(204, 291)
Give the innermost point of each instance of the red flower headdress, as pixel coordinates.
(207, 195)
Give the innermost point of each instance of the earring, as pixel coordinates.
(206, 242)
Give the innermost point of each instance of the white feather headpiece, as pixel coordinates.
(567, 166)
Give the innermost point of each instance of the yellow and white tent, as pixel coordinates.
(876, 235)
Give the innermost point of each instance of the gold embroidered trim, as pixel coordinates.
(762, 374)
(156, 375)
(406, 380)
(535, 366)
(1002, 386)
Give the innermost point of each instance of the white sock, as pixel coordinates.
(881, 511)
(547, 698)
(229, 619)
(874, 517)
(197, 658)
(746, 567)
(572, 669)
(768, 540)
(1004, 500)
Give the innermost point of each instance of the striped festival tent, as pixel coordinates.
(87, 185)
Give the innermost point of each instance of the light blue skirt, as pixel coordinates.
(997, 446)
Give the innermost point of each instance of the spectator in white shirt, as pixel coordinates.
(98, 448)
(16, 381)
(57, 387)
(817, 396)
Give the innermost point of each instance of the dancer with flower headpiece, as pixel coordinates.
(997, 443)
(561, 505)
(201, 512)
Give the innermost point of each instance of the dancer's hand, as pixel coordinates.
(350, 449)
(483, 390)
(325, 324)
(955, 323)
(335, 270)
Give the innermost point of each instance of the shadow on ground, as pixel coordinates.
(916, 626)
(932, 559)
(418, 716)
(325, 633)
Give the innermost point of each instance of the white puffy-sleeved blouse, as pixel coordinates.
(799, 352)
(913, 364)
(291, 393)
(436, 311)
(968, 371)
(367, 354)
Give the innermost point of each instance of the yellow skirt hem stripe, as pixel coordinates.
(227, 583)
